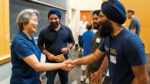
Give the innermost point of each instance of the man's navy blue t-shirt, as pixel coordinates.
(55, 40)
(123, 51)
(22, 46)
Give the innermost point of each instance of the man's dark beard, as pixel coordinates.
(54, 25)
(106, 28)
(96, 26)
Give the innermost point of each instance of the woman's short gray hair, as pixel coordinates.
(24, 16)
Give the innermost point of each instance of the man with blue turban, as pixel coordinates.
(124, 50)
(54, 40)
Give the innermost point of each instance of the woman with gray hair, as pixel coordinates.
(25, 53)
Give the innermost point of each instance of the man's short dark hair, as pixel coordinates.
(89, 26)
(96, 12)
(131, 11)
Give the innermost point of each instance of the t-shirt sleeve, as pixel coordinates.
(41, 41)
(101, 46)
(71, 39)
(22, 49)
(135, 51)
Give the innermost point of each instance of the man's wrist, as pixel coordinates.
(100, 71)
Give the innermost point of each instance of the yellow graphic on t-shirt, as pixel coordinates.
(113, 51)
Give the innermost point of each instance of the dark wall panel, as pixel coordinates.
(60, 3)
(17, 5)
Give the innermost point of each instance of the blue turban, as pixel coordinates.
(114, 11)
(56, 12)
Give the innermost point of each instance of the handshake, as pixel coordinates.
(68, 65)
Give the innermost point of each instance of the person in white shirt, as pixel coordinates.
(81, 30)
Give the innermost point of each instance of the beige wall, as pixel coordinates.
(89, 4)
(75, 7)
